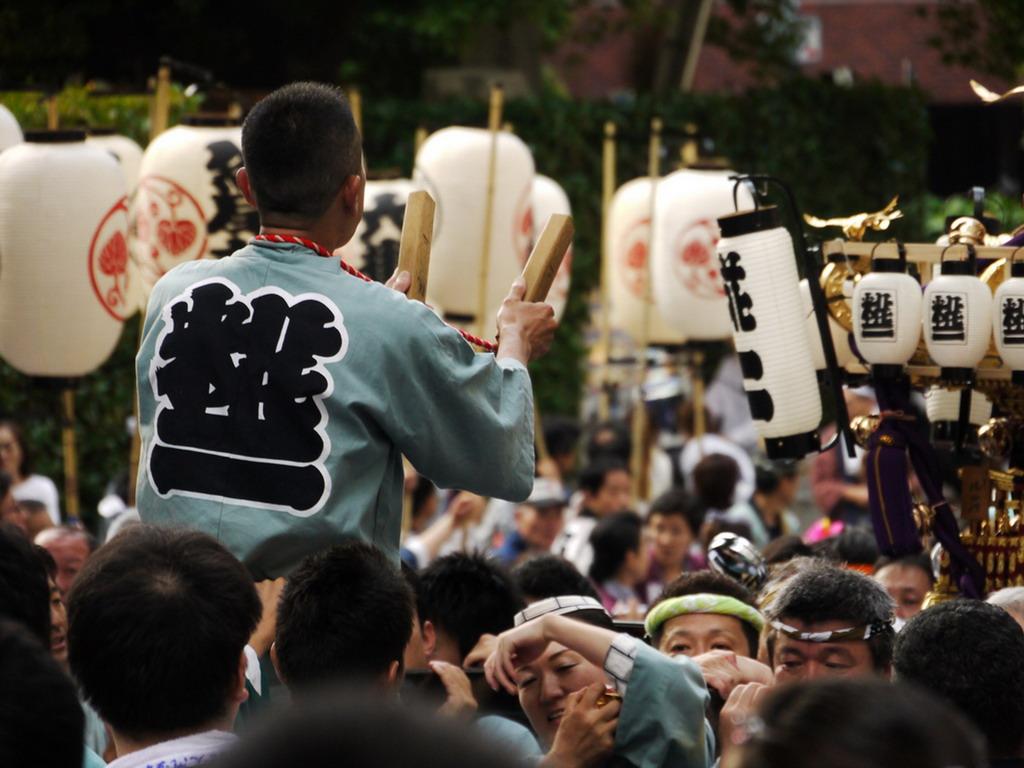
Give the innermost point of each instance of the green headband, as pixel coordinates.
(702, 603)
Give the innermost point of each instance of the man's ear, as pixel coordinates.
(429, 639)
(277, 664)
(352, 194)
(242, 179)
(394, 675)
(241, 692)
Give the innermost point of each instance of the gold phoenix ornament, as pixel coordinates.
(991, 97)
(856, 226)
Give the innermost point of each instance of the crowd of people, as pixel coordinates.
(285, 594)
(567, 630)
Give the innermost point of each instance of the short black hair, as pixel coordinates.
(676, 501)
(859, 723)
(768, 474)
(299, 144)
(785, 548)
(921, 561)
(825, 592)
(714, 480)
(611, 539)
(345, 614)
(468, 595)
(593, 475)
(854, 546)
(41, 719)
(24, 586)
(361, 729)
(711, 583)
(972, 654)
(561, 434)
(609, 440)
(157, 620)
(548, 575)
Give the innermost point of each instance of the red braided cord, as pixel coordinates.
(319, 250)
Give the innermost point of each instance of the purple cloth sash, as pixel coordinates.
(889, 493)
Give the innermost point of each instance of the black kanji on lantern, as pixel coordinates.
(762, 408)
(877, 315)
(233, 215)
(948, 320)
(1013, 320)
(740, 303)
(239, 381)
(382, 236)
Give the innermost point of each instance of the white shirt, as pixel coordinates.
(41, 489)
(190, 750)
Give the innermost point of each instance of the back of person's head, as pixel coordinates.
(613, 538)
(24, 588)
(971, 654)
(545, 576)
(785, 548)
(855, 548)
(41, 720)
(862, 723)
(592, 475)
(711, 583)
(345, 614)
(466, 596)
(823, 592)
(677, 502)
(157, 620)
(299, 144)
(561, 435)
(358, 729)
(609, 440)
(688, 420)
(714, 480)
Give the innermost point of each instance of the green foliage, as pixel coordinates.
(842, 151)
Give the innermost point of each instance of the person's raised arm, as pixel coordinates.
(525, 329)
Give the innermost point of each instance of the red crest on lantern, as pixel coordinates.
(108, 262)
(167, 224)
(696, 263)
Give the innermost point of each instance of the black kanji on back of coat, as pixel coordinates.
(239, 381)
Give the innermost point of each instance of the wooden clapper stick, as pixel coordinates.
(539, 273)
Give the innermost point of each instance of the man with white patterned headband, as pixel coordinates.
(830, 622)
(582, 684)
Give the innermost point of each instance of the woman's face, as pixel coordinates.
(672, 539)
(10, 453)
(545, 684)
(58, 626)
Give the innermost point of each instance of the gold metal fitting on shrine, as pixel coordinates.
(995, 438)
(863, 427)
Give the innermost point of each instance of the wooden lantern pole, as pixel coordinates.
(641, 454)
(494, 126)
(52, 115)
(420, 137)
(67, 401)
(607, 193)
(697, 365)
(161, 102)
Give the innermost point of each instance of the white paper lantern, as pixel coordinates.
(687, 288)
(373, 248)
(549, 198)
(943, 409)
(840, 336)
(10, 131)
(957, 317)
(124, 150)
(452, 164)
(187, 205)
(629, 237)
(887, 316)
(63, 255)
(1008, 322)
(759, 269)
